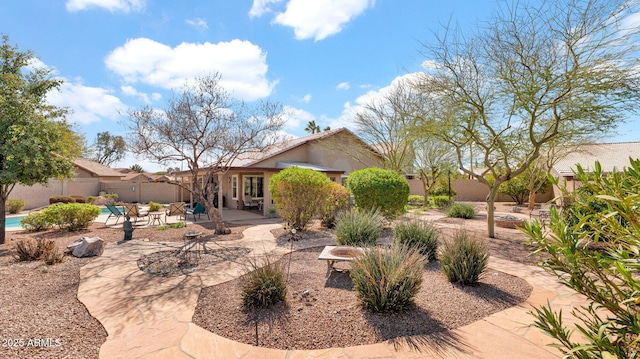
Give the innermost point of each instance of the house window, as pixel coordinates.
(253, 186)
(234, 187)
(343, 180)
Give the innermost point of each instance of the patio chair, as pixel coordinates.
(199, 209)
(248, 202)
(175, 209)
(134, 211)
(115, 212)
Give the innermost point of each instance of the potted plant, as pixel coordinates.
(273, 213)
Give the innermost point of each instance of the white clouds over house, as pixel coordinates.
(111, 5)
(316, 19)
(242, 65)
(87, 104)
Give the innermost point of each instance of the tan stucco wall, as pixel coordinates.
(473, 191)
(144, 192)
(38, 195)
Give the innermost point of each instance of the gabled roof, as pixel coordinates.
(612, 156)
(96, 169)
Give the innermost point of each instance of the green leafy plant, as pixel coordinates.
(464, 259)
(154, 207)
(461, 211)
(420, 235)
(299, 194)
(336, 201)
(15, 205)
(375, 188)
(35, 222)
(440, 201)
(359, 227)
(91, 199)
(387, 279)
(69, 216)
(596, 254)
(263, 284)
(61, 199)
(39, 249)
(415, 200)
(172, 226)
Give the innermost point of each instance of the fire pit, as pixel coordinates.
(509, 222)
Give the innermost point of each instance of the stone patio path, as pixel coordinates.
(147, 316)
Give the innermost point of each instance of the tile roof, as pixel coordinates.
(96, 168)
(612, 156)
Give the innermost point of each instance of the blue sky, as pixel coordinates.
(319, 58)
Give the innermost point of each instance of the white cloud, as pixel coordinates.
(319, 19)
(111, 5)
(306, 98)
(261, 7)
(295, 118)
(199, 23)
(343, 86)
(131, 91)
(88, 104)
(242, 65)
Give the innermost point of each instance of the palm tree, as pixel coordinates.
(312, 128)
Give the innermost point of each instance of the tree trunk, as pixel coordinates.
(491, 200)
(532, 200)
(3, 216)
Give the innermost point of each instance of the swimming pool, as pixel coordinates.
(14, 222)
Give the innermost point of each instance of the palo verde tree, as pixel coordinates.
(207, 130)
(34, 138)
(434, 159)
(530, 75)
(107, 148)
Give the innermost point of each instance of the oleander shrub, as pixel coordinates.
(387, 279)
(14, 205)
(375, 188)
(420, 235)
(154, 207)
(39, 249)
(79, 199)
(336, 201)
(299, 194)
(458, 210)
(35, 222)
(263, 284)
(464, 259)
(440, 201)
(415, 200)
(359, 227)
(61, 199)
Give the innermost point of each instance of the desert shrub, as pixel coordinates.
(264, 285)
(154, 207)
(442, 188)
(173, 225)
(61, 199)
(298, 194)
(415, 200)
(15, 205)
(457, 210)
(114, 196)
(375, 188)
(598, 258)
(420, 235)
(387, 279)
(359, 227)
(79, 199)
(440, 201)
(39, 249)
(91, 199)
(336, 201)
(464, 259)
(36, 222)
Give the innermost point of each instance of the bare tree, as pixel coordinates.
(433, 159)
(531, 75)
(204, 128)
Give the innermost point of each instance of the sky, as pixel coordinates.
(320, 59)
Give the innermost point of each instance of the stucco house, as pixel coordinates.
(328, 152)
(612, 156)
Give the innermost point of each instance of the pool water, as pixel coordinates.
(14, 222)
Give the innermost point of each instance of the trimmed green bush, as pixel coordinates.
(375, 188)
(359, 227)
(415, 200)
(299, 194)
(15, 205)
(461, 211)
(336, 201)
(35, 222)
(420, 235)
(40, 249)
(91, 199)
(69, 216)
(264, 286)
(440, 201)
(61, 199)
(464, 259)
(79, 199)
(387, 280)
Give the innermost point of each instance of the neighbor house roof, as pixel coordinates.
(96, 169)
(612, 156)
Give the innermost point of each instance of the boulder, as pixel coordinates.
(87, 247)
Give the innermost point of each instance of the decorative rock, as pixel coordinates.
(509, 222)
(87, 247)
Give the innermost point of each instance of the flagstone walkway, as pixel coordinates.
(147, 316)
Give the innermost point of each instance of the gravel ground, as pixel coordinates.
(39, 308)
(323, 312)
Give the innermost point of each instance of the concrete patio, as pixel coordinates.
(150, 317)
